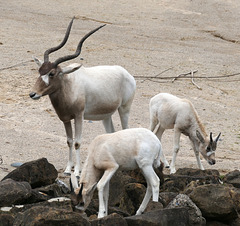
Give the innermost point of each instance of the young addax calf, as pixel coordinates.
(168, 112)
(124, 150)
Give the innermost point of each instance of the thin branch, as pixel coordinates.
(192, 74)
(201, 77)
(16, 65)
(181, 75)
(158, 74)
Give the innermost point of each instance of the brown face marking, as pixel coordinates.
(46, 68)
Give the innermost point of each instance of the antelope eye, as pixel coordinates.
(208, 149)
(81, 203)
(51, 74)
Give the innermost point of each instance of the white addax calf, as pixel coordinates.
(79, 93)
(123, 150)
(170, 112)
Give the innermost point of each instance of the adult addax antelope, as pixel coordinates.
(79, 93)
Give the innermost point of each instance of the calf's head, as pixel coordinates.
(207, 147)
(81, 195)
(51, 74)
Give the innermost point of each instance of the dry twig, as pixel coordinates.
(181, 75)
(146, 78)
(15, 65)
(192, 73)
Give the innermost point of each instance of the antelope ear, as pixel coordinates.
(37, 61)
(73, 182)
(71, 68)
(199, 136)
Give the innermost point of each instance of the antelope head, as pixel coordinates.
(81, 195)
(51, 73)
(208, 147)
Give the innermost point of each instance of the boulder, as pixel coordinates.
(235, 222)
(52, 190)
(216, 223)
(6, 219)
(138, 176)
(13, 192)
(60, 202)
(215, 201)
(195, 215)
(233, 178)
(132, 198)
(165, 217)
(42, 215)
(118, 211)
(153, 206)
(116, 189)
(178, 182)
(112, 219)
(198, 173)
(166, 197)
(37, 173)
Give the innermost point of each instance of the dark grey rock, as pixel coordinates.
(233, 178)
(13, 192)
(195, 215)
(110, 220)
(42, 215)
(216, 201)
(165, 217)
(37, 173)
(132, 198)
(179, 181)
(166, 197)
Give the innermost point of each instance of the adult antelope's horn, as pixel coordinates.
(53, 49)
(79, 47)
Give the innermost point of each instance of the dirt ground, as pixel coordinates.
(147, 37)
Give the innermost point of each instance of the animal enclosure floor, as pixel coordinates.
(148, 38)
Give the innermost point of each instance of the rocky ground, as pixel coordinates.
(147, 38)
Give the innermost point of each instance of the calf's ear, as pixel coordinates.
(199, 136)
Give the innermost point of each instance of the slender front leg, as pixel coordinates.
(78, 133)
(177, 135)
(68, 129)
(103, 182)
(200, 166)
(159, 134)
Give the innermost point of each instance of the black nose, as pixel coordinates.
(213, 161)
(32, 95)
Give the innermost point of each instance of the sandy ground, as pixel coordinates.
(146, 37)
